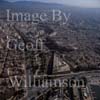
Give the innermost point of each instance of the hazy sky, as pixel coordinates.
(81, 3)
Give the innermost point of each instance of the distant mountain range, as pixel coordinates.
(28, 4)
(37, 4)
(32, 6)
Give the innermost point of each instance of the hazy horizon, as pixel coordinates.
(78, 3)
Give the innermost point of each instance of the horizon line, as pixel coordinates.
(54, 3)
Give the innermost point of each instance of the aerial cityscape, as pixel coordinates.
(49, 50)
